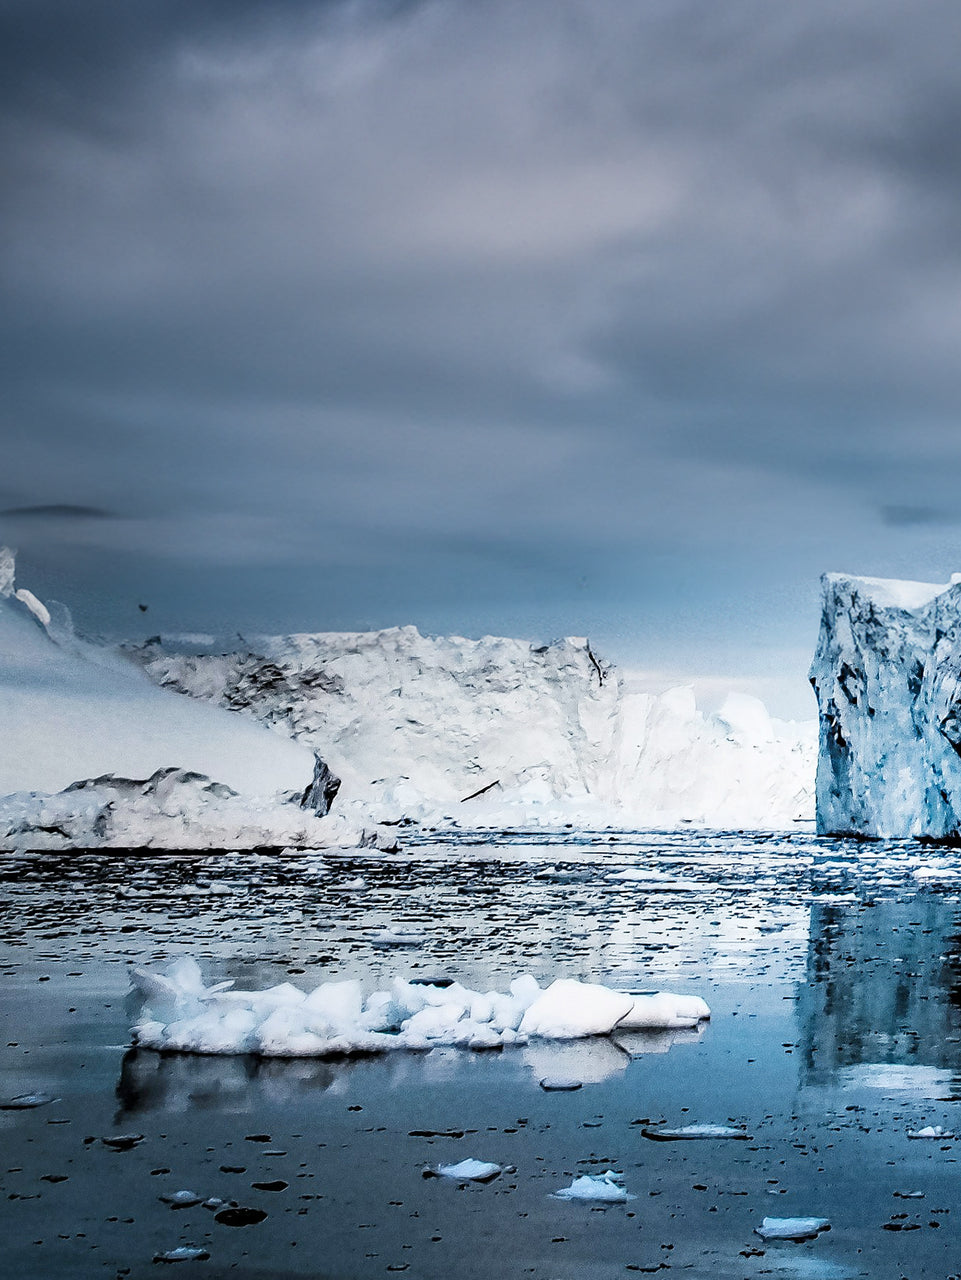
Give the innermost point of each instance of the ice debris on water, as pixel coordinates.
(560, 1084)
(26, 1101)
(931, 1131)
(122, 1141)
(694, 1131)
(603, 1188)
(792, 1228)
(184, 1253)
(181, 1199)
(182, 1014)
(470, 1170)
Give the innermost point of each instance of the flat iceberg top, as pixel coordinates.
(891, 593)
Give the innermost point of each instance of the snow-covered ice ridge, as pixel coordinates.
(887, 673)
(93, 754)
(182, 1014)
(502, 731)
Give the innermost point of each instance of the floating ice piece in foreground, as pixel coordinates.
(26, 1101)
(693, 1131)
(182, 1015)
(568, 1010)
(181, 1199)
(604, 1188)
(560, 1084)
(792, 1228)
(470, 1170)
(663, 1010)
(931, 1131)
(185, 1253)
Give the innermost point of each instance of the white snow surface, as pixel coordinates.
(182, 1014)
(415, 725)
(887, 673)
(158, 769)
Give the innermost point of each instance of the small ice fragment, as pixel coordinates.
(181, 1199)
(122, 1141)
(24, 1101)
(560, 1084)
(185, 1253)
(931, 1131)
(470, 1170)
(909, 1195)
(605, 1188)
(213, 1202)
(397, 938)
(791, 1228)
(693, 1131)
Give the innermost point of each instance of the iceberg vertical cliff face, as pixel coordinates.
(887, 674)
(500, 730)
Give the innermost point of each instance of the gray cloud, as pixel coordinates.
(566, 315)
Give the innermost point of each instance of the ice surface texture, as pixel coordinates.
(498, 730)
(887, 673)
(182, 1014)
(93, 754)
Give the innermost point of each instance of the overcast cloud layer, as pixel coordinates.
(557, 317)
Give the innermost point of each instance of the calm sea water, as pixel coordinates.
(833, 970)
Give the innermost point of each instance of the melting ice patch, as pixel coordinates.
(182, 1014)
(602, 1188)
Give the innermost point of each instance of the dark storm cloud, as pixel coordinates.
(56, 511)
(573, 307)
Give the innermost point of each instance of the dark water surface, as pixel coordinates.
(833, 971)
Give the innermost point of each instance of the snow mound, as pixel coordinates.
(93, 754)
(172, 809)
(483, 731)
(887, 673)
(181, 1014)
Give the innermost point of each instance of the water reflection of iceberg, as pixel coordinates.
(881, 1006)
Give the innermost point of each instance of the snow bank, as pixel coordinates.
(182, 1014)
(498, 731)
(887, 673)
(92, 753)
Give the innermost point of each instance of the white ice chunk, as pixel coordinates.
(603, 1188)
(570, 1009)
(664, 1011)
(470, 1170)
(931, 1131)
(791, 1228)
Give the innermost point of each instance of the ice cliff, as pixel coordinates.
(887, 673)
(499, 730)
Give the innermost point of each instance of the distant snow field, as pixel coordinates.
(179, 748)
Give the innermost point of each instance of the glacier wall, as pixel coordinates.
(499, 730)
(887, 674)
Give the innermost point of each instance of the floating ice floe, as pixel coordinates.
(603, 1188)
(560, 1084)
(26, 1101)
(185, 1253)
(182, 1014)
(181, 1199)
(469, 1170)
(931, 1131)
(792, 1228)
(398, 938)
(694, 1131)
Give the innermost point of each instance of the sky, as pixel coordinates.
(562, 317)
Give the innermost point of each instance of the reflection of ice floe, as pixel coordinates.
(181, 1014)
(587, 1061)
(928, 1082)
